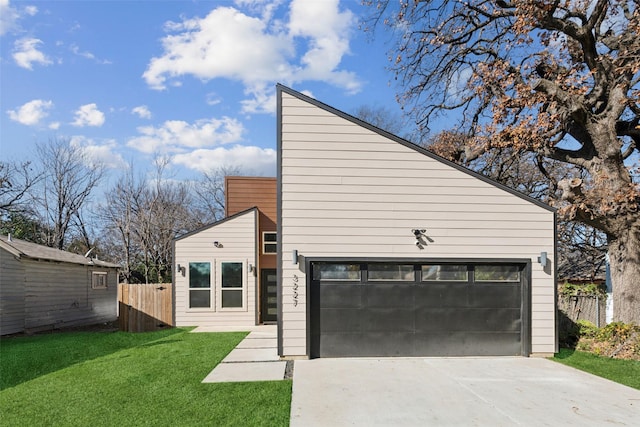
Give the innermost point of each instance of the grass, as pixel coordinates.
(118, 378)
(625, 372)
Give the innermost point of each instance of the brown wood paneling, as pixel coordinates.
(244, 192)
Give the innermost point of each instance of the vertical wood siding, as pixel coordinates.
(237, 237)
(54, 295)
(350, 192)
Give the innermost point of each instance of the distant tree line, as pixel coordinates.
(61, 199)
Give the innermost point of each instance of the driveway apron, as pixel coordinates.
(502, 391)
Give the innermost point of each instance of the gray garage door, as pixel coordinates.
(411, 309)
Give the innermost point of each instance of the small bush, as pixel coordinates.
(617, 340)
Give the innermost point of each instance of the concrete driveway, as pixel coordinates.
(456, 392)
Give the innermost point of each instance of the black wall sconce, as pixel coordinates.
(217, 244)
(421, 237)
(182, 269)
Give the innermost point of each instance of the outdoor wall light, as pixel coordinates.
(542, 259)
(182, 269)
(217, 244)
(418, 232)
(294, 257)
(249, 268)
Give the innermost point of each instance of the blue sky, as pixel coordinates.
(195, 80)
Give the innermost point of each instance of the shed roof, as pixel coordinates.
(24, 249)
(409, 144)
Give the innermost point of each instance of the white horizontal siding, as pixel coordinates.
(12, 282)
(237, 237)
(350, 192)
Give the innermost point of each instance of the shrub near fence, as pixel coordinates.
(583, 302)
(144, 308)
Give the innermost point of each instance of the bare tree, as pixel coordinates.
(68, 181)
(210, 193)
(16, 179)
(559, 79)
(122, 203)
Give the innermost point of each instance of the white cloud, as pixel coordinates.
(86, 54)
(31, 113)
(249, 159)
(142, 111)
(99, 153)
(26, 53)
(9, 16)
(213, 99)
(178, 135)
(54, 125)
(30, 10)
(88, 115)
(259, 50)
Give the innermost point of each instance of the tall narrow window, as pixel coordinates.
(231, 284)
(269, 242)
(199, 284)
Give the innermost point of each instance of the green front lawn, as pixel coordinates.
(625, 372)
(118, 378)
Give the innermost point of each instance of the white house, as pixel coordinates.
(381, 248)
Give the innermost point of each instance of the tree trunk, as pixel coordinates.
(624, 261)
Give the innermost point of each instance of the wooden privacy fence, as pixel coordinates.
(145, 308)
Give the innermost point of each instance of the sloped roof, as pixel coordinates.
(24, 249)
(409, 144)
(206, 227)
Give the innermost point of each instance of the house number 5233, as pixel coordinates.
(295, 290)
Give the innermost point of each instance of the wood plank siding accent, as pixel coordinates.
(237, 243)
(350, 190)
(245, 192)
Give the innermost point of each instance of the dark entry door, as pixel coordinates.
(424, 314)
(269, 295)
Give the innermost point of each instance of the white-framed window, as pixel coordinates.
(269, 242)
(232, 289)
(98, 280)
(200, 285)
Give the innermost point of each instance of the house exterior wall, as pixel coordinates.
(347, 191)
(12, 279)
(41, 295)
(245, 192)
(238, 244)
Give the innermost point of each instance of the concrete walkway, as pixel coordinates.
(456, 392)
(255, 358)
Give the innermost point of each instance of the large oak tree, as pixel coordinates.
(558, 79)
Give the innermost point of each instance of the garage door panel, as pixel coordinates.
(495, 296)
(467, 344)
(388, 319)
(388, 295)
(341, 296)
(417, 318)
(451, 295)
(341, 319)
(369, 344)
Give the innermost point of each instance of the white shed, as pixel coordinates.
(386, 249)
(45, 288)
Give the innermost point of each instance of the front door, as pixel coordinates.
(269, 295)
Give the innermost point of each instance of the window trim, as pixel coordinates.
(265, 242)
(211, 288)
(220, 289)
(103, 275)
